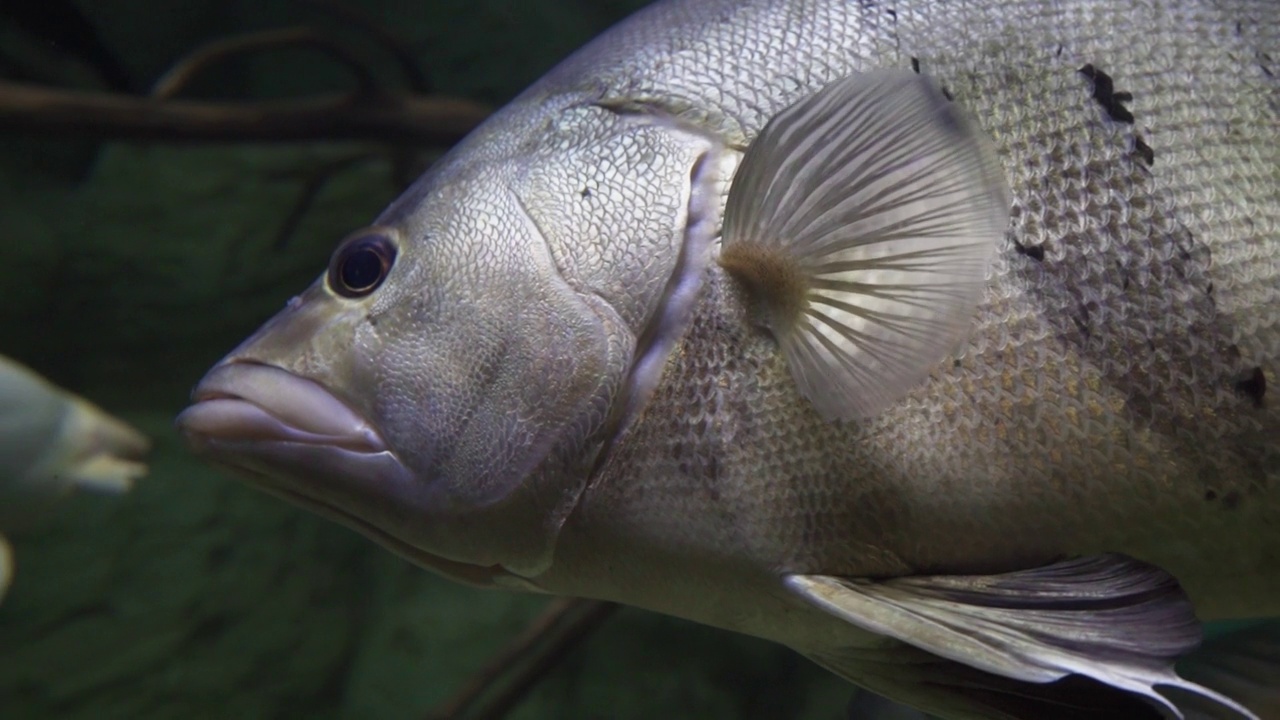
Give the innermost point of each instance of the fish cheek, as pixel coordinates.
(489, 399)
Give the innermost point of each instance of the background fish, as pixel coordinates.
(547, 368)
(52, 442)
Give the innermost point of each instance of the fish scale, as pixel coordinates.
(1101, 404)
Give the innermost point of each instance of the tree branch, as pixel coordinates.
(210, 54)
(526, 660)
(399, 118)
(387, 40)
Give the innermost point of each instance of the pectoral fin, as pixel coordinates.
(1110, 619)
(861, 221)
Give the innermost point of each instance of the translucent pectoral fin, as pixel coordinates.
(862, 220)
(1112, 620)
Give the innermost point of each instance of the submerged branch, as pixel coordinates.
(397, 119)
(526, 660)
(180, 75)
(396, 48)
(314, 184)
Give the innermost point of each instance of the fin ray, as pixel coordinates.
(875, 199)
(1110, 618)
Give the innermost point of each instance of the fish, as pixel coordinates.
(52, 443)
(930, 339)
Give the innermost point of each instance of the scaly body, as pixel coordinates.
(532, 372)
(1098, 405)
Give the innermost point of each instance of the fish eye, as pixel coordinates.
(360, 265)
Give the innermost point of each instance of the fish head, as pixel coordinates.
(436, 389)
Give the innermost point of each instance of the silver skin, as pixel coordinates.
(536, 399)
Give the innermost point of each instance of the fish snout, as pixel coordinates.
(250, 402)
(291, 437)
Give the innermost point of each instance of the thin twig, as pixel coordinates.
(181, 73)
(558, 649)
(311, 189)
(519, 648)
(526, 660)
(389, 41)
(403, 119)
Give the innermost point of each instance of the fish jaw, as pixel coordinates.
(292, 438)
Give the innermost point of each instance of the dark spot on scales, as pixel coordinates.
(1144, 151)
(1081, 325)
(915, 65)
(1035, 252)
(586, 192)
(1265, 64)
(1253, 385)
(1104, 92)
(1231, 500)
(1124, 276)
(947, 93)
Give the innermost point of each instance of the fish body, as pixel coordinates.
(52, 442)
(545, 368)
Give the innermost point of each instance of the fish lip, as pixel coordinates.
(292, 438)
(243, 400)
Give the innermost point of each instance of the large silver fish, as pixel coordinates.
(737, 316)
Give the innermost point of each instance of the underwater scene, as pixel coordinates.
(765, 360)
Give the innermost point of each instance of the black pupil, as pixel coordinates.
(361, 269)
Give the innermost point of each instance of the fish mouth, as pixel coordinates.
(292, 438)
(251, 402)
